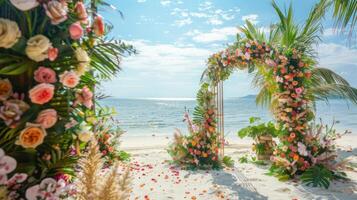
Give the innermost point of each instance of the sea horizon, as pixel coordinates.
(160, 116)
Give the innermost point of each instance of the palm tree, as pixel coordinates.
(344, 12)
(286, 33)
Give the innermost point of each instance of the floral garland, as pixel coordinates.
(46, 96)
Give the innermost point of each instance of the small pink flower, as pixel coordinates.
(247, 56)
(45, 75)
(81, 11)
(52, 53)
(41, 93)
(270, 63)
(85, 97)
(69, 79)
(71, 124)
(47, 118)
(298, 90)
(56, 11)
(98, 26)
(76, 31)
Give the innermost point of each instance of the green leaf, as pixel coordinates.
(317, 176)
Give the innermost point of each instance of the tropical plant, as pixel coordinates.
(263, 134)
(287, 33)
(344, 12)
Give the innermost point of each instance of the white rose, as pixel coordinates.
(24, 4)
(83, 61)
(37, 48)
(9, 33)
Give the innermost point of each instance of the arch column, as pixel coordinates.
(218, 90)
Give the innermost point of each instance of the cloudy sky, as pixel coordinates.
(175, 37)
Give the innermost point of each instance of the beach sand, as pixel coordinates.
(155, 179)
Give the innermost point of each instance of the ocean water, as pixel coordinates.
(146, 117)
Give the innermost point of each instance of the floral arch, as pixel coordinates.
(286, 71)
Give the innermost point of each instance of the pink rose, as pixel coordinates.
(45, 75)
(76, 31)
(298, 90)
(98, 26)
(41, 93)
(81, 11)
(69, 79)
(56, 11)
(85, 97)
(47, 118)
(52, 53)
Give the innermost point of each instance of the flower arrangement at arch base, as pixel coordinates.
(52, 54)
(200, 149)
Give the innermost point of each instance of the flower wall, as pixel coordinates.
(52, 54)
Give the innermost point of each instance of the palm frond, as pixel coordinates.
(345, 12)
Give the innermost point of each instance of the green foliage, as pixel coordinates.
(256, 129)
(227, 161)
(279, 172)
(317, 175)
(244, 159)
(124, 156)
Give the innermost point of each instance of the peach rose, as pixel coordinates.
(45, 75)
(41, 93)
(52, 53)
(98, 26)
(5, 89)
(47, 118)
(32, 136)
(81, 11)
(69, 79)
(76, 31)
(56, 11)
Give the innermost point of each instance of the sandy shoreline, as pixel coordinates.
(156, 179)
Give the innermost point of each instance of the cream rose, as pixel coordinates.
(85, 134)
(37, 48)
(83, 61)
(32, 136)
(9, 33)
(24, 4)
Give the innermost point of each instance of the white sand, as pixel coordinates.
(156, 179)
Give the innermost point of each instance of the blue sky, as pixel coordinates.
(175, 37)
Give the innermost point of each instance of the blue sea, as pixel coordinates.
(146, 117)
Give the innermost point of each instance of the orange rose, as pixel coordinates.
(31, 136)
(296, 157)
(5, 89)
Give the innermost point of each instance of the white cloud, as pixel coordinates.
(214, 21)
(330, 32)
(166, 58)
(214, 35)
(141, 1)
(183, 22)
(334, 55)
(165, 2)
(252, 18)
